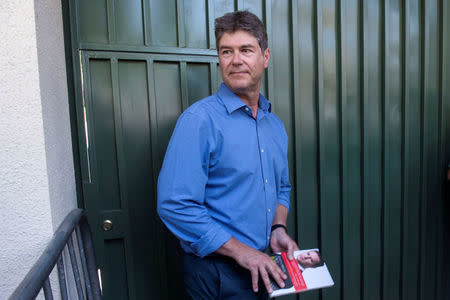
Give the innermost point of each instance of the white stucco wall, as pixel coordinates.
(37, 186)
(55, 108)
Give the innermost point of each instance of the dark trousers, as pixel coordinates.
(218, 277)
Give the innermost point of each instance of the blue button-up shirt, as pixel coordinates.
(224, 174)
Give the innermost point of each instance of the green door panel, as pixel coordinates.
(196, 76)
(128, 22)
(362, 89)
(163, 14)
(132, 102)
(91, 22)
(195, 24)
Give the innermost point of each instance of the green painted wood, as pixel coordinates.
(392, 181)
(163, 14)
(195, 24)
(197, 75)
(329, 141)
(91, 21)
(412, 154)
(430, 149)
(445, 144)
(351, 126)
(362, 88)
(305, 128)
(282, 74)
(128, 19)
(114, 275)
(372, 151)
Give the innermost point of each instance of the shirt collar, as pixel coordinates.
(233, 102)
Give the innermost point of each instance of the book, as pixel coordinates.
(307, 271)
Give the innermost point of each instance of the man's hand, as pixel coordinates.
(257, 262)
(280, 241)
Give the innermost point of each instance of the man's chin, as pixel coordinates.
(238, 87)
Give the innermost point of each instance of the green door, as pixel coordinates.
(131, 104)
(362, 88)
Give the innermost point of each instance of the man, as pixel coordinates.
(224, 185)
(309, 259)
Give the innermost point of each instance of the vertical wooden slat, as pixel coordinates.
(442, 169)
(329, 142)
(118, 125)
(181, 30)
(412, 153)
(267, 8)
(161, 249)
(351, 149)
(111, 21)
(306, 125)
(213, 80)
(147, 28)
(430, 149)
(122, 165)
(295, 139)
(210, 19)
(445, 144)
(306, 131)
(184, 85)
(283, 93)
(372, 152)
(392, 150)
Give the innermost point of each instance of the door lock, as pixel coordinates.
(107, 225)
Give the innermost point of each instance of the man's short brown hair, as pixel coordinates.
(241, 20)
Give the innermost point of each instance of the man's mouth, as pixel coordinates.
(238, 73)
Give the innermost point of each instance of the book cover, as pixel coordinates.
(307, 271)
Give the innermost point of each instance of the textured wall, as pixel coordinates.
(25, 225)
(55, 108)
(36, 168)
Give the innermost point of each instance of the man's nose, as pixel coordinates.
(236, 58)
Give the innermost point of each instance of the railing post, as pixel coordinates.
(37, 278)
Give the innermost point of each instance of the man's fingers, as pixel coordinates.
(265, 278)
(290, 251)
(255, 277)
(278, 276)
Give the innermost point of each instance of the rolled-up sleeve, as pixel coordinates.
(284, 189)
(181, 186)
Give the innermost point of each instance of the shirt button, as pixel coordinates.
(262, 150)
(246, 108)
(268, 210)
(268, 237)
(266, 181)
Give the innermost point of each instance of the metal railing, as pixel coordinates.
(74, 226)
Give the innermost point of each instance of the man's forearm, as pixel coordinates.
(231, 248)
(280, 215)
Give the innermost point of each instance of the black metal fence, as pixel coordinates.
(74, 227)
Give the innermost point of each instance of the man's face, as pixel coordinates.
(241, 61)
(308, 259)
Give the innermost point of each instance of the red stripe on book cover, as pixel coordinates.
(294, 272)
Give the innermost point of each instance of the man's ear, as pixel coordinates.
(266, 56)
